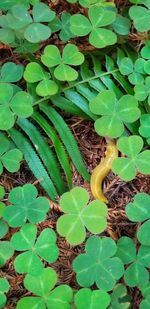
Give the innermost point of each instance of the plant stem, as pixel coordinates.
(76, 84)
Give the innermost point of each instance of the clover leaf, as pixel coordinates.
(25, 205)
(11, 72)
(85, 298)
(34, 250)
(62, 24)
(114, 113)
(145, 290)
(98, 18)
(142, 90)
(88, 3)
(145, 51)
(3, 225)
(139, 211)
(6, 251)
(98, 265)
(4, 288)
(121, 25)
(78, 216)
(47, 296)
(134, 71)
(127, 167)
(70, 56)
(35, 73)
(144, 128)
(141, 18)
(119, 298)
(19, 104)
(136, 273)
(9, 158)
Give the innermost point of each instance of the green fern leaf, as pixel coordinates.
(44, 152)
(59, 148)
(34, 162)
(67, 138)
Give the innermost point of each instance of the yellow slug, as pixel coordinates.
(101, 171)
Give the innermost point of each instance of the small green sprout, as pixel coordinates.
(113, 113)
(25, 205)
(70, 56)
(34, 250)
(135, 161)
(98, 18)
(46, 295)
(78, 216)
(98, 265)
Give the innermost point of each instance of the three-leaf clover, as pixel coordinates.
(70, 56)
(4, 288)
(113, 113)
(141, 18)
(139, 211)
(3, 224)
(136, 273)
(127, 167)
(6, 251)
(62, 24)
(144, 128)
(9, 158)
(47, 296)
(78, 216)
(142, 90)
(44, 247)
(119, 297)
(99, 18)
(18, 23)
(35, 73)
(134, 71)
(19, 104)
(25, 205)
(98, 265)
(85, 298)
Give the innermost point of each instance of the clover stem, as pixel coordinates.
(76, 84)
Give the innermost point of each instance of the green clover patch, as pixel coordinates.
(98, 18)
(34, 250)
(70, 56)
(25, 205)
(98, 265)
(46, 295)
(134, 71)
(79, 216)
(19, 104)
(35, 73)
(136, 160)
(113, 113)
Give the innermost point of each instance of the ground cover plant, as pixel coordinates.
(74, 154)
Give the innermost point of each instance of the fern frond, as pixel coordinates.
(67, 139)
(33, 162)
(59, 148)
(44, 152)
